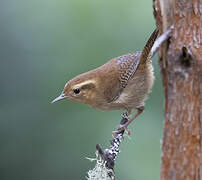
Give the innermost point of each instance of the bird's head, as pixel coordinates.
(82, 89)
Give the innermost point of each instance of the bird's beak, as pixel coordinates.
(62, 96)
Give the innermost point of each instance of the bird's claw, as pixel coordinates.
(120, 129)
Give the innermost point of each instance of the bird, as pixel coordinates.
(123, 83)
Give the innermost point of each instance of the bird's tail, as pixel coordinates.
(147, 48)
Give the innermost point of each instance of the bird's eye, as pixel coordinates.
(76, 91)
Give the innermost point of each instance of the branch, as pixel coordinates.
(108, 156)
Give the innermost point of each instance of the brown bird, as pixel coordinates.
(123, 83)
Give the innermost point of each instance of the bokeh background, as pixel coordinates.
(44, 43)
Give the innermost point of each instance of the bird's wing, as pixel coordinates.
(128, 63)
(127, 66)
(121, 69)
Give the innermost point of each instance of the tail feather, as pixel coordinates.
(147, 48)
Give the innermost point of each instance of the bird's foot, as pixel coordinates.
(123, 126)
(126, 121)
(120, 129)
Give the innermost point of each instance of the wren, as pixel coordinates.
(123, 83)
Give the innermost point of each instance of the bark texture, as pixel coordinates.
(181, 67)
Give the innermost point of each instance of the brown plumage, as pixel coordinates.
(122, 83)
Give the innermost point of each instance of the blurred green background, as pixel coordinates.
(44, 43)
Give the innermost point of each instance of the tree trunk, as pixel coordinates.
(181, 67)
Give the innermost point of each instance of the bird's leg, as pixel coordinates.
(125, 126)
